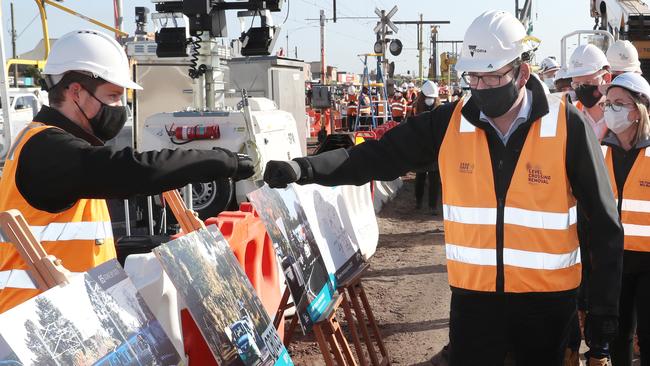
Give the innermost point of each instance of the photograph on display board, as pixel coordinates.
(336, 234)
(99, 318)
(222, 300)
(309, 281)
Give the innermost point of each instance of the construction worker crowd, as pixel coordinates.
(546, 197)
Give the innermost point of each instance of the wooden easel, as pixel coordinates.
(45, 270)
(358, 314)
(186, 218)
(353, 293)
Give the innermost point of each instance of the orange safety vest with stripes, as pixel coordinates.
(540, 243)
(81, 236)
(398, 106)
(635, 203)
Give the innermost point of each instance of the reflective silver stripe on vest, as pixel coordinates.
(549, 121)
(20, 137)
(16, 278)
(83, 230)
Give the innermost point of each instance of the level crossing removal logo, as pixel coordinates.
(537, 176)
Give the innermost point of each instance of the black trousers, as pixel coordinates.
(434, 187)
(484, 327)
(634, 314)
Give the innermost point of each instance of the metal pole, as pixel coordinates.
(4, 93)
(13, 44)
(517, 9)
(323, 68)
(119, 22)
(127, 217)
(420, 48)
(150, 214)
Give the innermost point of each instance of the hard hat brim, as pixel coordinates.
(469, 65)
(581, 71)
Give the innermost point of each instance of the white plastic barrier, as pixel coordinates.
(159, 293)
(385, 191)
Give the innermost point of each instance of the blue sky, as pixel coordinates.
(344, 39)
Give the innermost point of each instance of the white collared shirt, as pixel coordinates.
(524, 114)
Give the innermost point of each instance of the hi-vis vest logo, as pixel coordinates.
(623, 56)
(644, 183)
(536, 175)
(467, 168)
(473, 49)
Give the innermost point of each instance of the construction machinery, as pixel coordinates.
(627, 20)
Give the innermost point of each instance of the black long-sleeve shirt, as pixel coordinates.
(417, 143)
(59, 166)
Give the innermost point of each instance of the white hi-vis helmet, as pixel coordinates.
(548, 64)
(492, 41)
(91, 52)
(623, 57)
(352, 90)
(587, 59)
(430, 89)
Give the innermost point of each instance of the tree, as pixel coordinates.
(55, 340)
(105, 307)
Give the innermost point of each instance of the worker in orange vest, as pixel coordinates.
(514, 163)
(627, 156)
(411, 96)
(351, 106)
(398, 106)
(589, 68)
(58, 172)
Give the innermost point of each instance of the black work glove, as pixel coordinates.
(600, 330)
(280, 173)
(245, 167)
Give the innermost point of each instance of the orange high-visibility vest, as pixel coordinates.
(540, 242)
(398, 107)
(364, 105)
(635, 206)
(81, 236)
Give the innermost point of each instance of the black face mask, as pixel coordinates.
(108, 121)
(496, 102)
(585, 94)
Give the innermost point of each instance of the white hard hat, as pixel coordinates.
(561, 74)
(411, 85)
(404, 85)
(93, 52)
(493, 40)
(623, 57)
(631, 81)
(548, 64)
(351, 89)
(586, 60)
(430, 89)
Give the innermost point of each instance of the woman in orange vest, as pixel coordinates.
(627, 156)
(58, 172)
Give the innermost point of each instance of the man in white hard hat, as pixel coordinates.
(58, 172)
(588, 68)
(547, 70)
(513, 162)
(623, 57)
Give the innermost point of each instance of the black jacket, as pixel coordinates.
(59, 166)
(417, 142)
(622, 161)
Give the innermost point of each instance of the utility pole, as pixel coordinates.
(13, 44)
(295, 50)
(420, 48)
(323, 68)
(433, 61)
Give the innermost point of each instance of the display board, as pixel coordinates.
(309, 281)
(221, 300)
(97, 319)
(339, 232)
